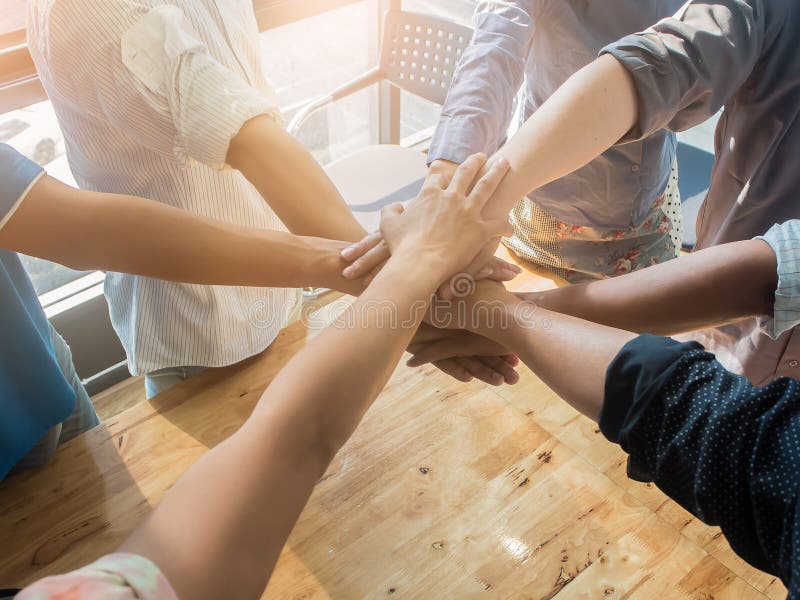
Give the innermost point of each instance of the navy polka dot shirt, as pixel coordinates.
(725, 450)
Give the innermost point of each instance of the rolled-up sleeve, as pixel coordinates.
(207, 103)
(477, 112)
(727, 451)
(686, 67)
(784, 239)
(152, 77)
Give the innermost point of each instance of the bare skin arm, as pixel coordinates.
(710, 287)
(556, 347)
(291, 181)
(93, 231)
(581, 120)
(254, 485)
(706, 288)
(88, 230)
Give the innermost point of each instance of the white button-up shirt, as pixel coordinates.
(149, 94)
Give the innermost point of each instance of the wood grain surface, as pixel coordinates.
(445, 491)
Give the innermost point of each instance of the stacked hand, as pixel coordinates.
(460, 323)
(369, 255)
(444, 229)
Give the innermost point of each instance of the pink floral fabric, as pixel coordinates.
(113, 577)
(581, 253)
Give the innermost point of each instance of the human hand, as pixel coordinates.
(445, 227)
(464, 355)
(486, 315)
(483, 261)
(368, 256)
(480, 307)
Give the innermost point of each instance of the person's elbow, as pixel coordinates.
(250, 141)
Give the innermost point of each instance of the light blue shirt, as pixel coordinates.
(542, 43)
(785, 243)
(34, 394)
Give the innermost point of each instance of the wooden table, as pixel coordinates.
(445, 491)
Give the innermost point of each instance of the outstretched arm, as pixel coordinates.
(713, 286)
(553, 345)
(710, 287)
(580, 121)
(291, 181)
(255, 484)
(87, 230)
(587, 115)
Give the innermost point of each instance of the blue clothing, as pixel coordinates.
(784, 240)
(538, 45)
(724, 449)
(34, 394)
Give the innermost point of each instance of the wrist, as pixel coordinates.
(418, 271)
(502, 317)
(324, 265)
(426, 264)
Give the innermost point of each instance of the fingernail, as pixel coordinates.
(348, 252)
(484, 273)
(516, 268)
(349, 272)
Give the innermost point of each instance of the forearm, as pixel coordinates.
(263, 476)
(703, 289)
(292, 182)
(569, 354)
(698, 432)
(88, 231)
(580, 121)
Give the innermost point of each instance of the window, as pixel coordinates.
(341, 43)
(342, 49)
(34, 131)
(12, 23)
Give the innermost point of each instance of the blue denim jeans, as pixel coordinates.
(163, 379)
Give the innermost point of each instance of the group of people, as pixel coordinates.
(166, 100)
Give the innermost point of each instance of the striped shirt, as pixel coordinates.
(785, 242)
(149, 94)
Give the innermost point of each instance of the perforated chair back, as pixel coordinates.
(419, 53)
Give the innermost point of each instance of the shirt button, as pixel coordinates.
(793, 363)
(635, 168)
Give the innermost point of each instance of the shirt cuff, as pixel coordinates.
(206, 102)
(210, 119)
(647, 60)
(784, 240)
(18, 175)
(634, 380)
(457, 138)
(634, 377)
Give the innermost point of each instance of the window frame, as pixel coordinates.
(20, 85)
(78, 309)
